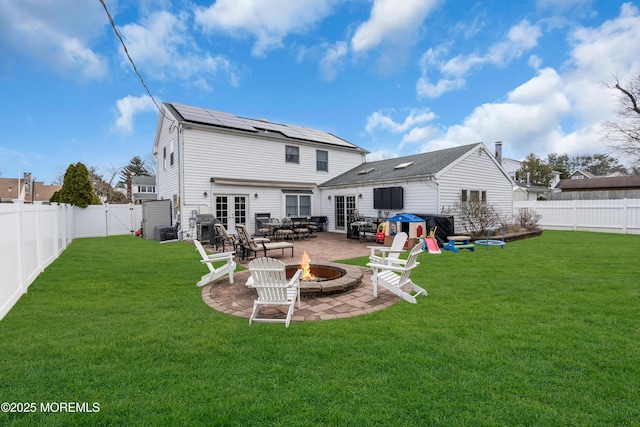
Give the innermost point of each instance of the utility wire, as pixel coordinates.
(126, 51)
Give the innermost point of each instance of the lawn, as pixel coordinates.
(543, 333)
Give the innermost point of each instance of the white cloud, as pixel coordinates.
(380, 121)
(128, 107)
(391, 20)
(41, 30)
(519, 39)
(161, 44)
(531, 119)
(269, 21)
(333, 59)
(425, 89)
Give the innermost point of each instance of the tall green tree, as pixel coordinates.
(534, 171)
(76, 187)
(136, 167)
(597, 164)
(559, 163)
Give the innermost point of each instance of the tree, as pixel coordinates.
(136, 167)
(623, 135)
(76, 188)
(597, 164)
(559, 163)
(534, 171)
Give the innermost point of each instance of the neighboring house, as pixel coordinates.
(511, 167)
(617, 183)
(426, 183)
(236, 168)
(26, 189)
(143, 188)
(580, 174)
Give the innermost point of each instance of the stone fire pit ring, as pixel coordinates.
(351, 278)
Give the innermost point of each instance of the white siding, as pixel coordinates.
(420, 197)
(226, 155)
(167, 178)
(476, 172)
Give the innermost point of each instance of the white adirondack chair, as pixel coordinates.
(228, 267)
(269, 279)
(396, 276)
(389, 255)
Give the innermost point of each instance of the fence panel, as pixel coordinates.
(10, 256)
(607, 216)
(32, 236)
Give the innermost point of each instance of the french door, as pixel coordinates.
(231, 210)
(344, 206)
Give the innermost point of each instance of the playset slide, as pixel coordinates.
(431, 245)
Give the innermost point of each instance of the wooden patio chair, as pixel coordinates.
(269, 279)
(394, 277)
(228, 266)
(389, 254)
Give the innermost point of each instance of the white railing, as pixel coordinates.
(33, 236)
(606, 216)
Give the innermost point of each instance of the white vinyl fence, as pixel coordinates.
(32, 236)
(605, 216)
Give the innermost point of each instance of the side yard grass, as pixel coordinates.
(544, 332)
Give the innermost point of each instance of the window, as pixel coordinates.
(164, 157)
(297, 205)
(473, 196)
(292, 154)
(146, 189)
(322, 161)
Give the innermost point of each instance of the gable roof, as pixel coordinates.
(612, 183)
(416, 166)
(256, 127)
(585, 174)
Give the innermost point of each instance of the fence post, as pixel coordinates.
(575, 215)
(625, 212)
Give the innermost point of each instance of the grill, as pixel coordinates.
(204, 227)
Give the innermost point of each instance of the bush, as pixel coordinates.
(478, 217)
(527, 218)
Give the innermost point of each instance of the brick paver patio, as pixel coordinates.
(237, 299)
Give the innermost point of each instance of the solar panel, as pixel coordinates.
(221, 119)
(210, 117)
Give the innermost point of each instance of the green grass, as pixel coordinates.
(543, 333)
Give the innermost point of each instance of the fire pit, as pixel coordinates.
(325, 279)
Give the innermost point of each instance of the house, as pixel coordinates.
(616, 183)
(430, 183)
(241, 170)
(26, 189)
(580, 174)
(210, 162)
(143, 188)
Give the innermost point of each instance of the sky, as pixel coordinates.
(395, 77)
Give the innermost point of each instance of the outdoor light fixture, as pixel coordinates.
(205, 194)
(329, 198)
(255, 195)
(360, 196)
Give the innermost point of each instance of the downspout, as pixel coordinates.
(180, 178)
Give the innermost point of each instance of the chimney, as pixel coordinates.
(498, 145)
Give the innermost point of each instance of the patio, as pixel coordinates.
(237, 299)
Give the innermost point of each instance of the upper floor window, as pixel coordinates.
(292, 154)
(146, 189)
(322, 160)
